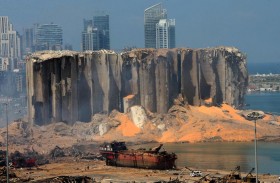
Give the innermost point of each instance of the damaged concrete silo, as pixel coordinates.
(73, 86)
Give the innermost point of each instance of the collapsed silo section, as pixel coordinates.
(190, 76)
(164, 81)
(52, 87)
(106, 81)
(147, 79)
(41, 93)
(206, 76)
(130, 81)
(83, 83)
(236, 76)
(150, 78)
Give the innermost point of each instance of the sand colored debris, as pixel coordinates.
(181, 124)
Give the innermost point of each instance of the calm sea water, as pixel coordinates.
(263, 68)
(265, 101)
(225, 156)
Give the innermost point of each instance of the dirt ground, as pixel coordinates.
(102, 173)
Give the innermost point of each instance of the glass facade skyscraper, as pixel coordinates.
(28, 40)
(96, 33)
(101, 22)
(48, 37)
(152, 15)
(159, 31)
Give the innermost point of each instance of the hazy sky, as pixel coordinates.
(251, 25)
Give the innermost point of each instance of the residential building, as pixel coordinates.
(152, 16)
(165, 33)
(48, 37)
(10, 50)
(90, 39)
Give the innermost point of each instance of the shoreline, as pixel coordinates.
(101, 173)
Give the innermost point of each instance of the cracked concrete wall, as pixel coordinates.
(72, 86)
(218, 73)
(153, 77)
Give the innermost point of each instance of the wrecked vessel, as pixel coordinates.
(117, 154)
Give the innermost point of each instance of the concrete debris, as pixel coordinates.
(138, 116)
(161, 127)
(81, 152)
(180, 101)
(2, 158)
(42, 56)
(12, 176)
(57, 152)
(72, 179)
(103, 128)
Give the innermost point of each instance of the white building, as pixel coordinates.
(90, 38)
(165, 33)
(10, 51)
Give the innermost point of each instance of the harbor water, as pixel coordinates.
(264, 101)
(225, 156)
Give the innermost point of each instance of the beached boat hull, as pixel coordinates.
(140, 159)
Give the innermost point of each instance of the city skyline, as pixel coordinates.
(96, 33)
(250, 26)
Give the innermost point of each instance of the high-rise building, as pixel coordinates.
(165, 33)
(96, 33)
(10, 50)
(90, 39)
(101, 22)
(152, 16)
(28, 41)
(48, 37)
(87, 23)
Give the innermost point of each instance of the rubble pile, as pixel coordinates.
(12, 176)
(72, 179)
(182, 123)
(27, 159)
(75, 151)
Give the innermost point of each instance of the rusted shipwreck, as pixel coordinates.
(117, 154)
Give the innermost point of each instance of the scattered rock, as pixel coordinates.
(138, 116)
